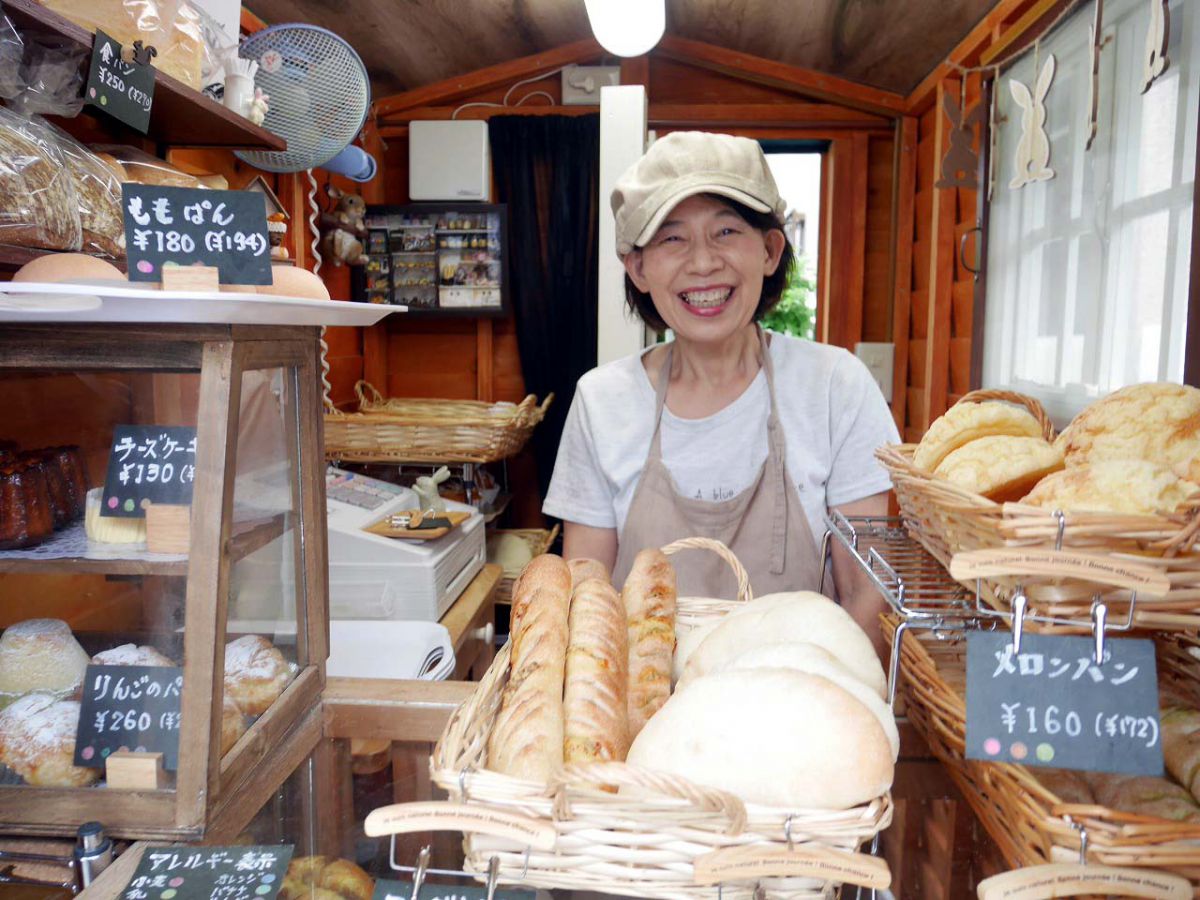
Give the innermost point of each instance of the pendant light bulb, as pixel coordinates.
(627, 27)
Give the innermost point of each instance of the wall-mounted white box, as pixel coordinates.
(879, 359)
(449, 160)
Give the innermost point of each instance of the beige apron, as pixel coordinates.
(764, 525)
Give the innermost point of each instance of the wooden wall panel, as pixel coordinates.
(879, 244)
(676, 82)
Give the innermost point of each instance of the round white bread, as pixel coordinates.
(41, 655)
(774, 737)
(817, 660)
(686, 641)
(780, 618)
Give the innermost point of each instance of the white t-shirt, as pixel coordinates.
(832, 413)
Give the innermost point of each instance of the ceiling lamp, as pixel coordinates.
(627, 27)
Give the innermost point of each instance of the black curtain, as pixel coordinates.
(547, 170)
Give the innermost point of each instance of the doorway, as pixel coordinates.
(796, 167)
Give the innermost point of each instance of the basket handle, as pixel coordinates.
(744, 593)
(1030, 403)
(590, 775)
(361, 388)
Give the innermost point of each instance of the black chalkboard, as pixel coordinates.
(192, 226)
(402, 890)
(129, 708)
(148, 464)
(209, 873)
(1051, 705)
(124, 90)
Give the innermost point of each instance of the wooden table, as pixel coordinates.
(471, 623)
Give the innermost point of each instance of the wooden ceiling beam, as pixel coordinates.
(972, 50)
(482, 80)
(794, 79)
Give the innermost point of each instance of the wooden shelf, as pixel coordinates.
(241, 545)
(180, 116)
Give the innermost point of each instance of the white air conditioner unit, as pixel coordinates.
(449, 160)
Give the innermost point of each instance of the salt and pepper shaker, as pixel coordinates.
(93, 852)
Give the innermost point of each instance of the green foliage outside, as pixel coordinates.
(796, 311)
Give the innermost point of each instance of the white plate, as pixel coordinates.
(110, 302)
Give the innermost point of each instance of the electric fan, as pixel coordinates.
(318, 95)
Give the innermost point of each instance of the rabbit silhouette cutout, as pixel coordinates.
(427, 491)
(1156, 43)
(961, 162)
(1032, 158)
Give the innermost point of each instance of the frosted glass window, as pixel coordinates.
(1087, 278)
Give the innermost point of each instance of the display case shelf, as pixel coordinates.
(180, 116)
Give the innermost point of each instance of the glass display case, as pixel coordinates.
(438, 258)
(212, 607)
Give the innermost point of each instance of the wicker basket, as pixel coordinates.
(948, 519)
(539, 541)
(1026, 820)
(641, 843)
(430, 431)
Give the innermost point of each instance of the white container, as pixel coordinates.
(449, 160)
(404, 650)
(239, 91)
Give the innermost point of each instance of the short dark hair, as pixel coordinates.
(773, 284)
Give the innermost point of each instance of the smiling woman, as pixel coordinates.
(721, 432)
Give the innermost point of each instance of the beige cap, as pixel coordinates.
(681, 165)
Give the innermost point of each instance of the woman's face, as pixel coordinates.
(704, 269)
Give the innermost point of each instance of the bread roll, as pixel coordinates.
(40, 655)
(1181, 746)
(966, 422)
(255, 673)
(1001, 467)
(817, 660)
(649, 598)
(319, 876)
(527, 737)
(1158, 422)
(597, 676)
(1066, 784)
(233, 724)
(686, 642)
(131, 655)
(582, 569)
(1144, 795)
(770, 736)
(801, 616)
(58, 267)
(1126, 486)
(37, 741)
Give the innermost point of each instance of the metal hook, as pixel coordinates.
(1099, 619)
(493, 876)
(1019, 603)
(419, 875)
(1062, 527)
(462, 783)
(525, 869)
(787, 831)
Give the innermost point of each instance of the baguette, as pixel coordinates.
(649, 597)
(527, 737)
(597, 677)
(582, 569)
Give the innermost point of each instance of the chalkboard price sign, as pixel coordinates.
(403, 890)
(124, 90)
(148, 464)
(209, 873)
(172, 226)
(129, 708)
(1052, 705)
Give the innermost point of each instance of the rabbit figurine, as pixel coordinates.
(427, 491)
(961, 161)
(1033, 149)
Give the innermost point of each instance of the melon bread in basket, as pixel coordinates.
(945, 510)
(419, 430)
(1036, 815)
(641, 830)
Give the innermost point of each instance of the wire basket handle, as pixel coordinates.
(744, 593)
(591, 775)
(1030, 403)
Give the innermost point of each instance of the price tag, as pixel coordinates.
(124, 90)
(148, 464)
(403, 890)
(172, 226)
(1052, 705)
(209, 873)
(129, 708)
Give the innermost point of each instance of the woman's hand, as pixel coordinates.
(584, 541)
(856, 592)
